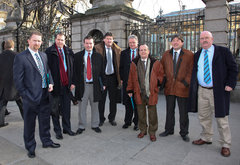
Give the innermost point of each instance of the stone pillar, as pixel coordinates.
(216, 20)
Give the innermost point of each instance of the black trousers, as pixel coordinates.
(170, 115)
(111, 88)
(42, 111)
(130, 111)
(61, 105)
(3, 105)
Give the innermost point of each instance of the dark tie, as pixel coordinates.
(41, 70)
(61, 53)
(89, 70)
(174, 62)
(133, 54)
(207, 77)
(109, 62)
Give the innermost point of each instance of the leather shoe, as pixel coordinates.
(59, 136)
(165, 133)
(52, 145)
(80, 130)
(153, 138)
(113, 123)
(200, 142)
(31, 154)
(5, 124)
(97, 129)
(125, 126)
(186, 138)
(70, 133)
(7, 112)
(135, 128)
(225, 152)
(141, 135)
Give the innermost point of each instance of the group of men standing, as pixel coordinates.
(200, 82)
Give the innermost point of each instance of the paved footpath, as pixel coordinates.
(117, 146)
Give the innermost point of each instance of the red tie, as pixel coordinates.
(132, 54)
(89, 70)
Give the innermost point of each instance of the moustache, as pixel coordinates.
(205, 42)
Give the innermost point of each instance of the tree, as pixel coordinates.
(47, 16)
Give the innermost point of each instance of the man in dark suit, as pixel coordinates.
(126, 58)
(177, 65)
(111, 60)
(60, 61)
(8, 91)
(88, 72)
(33, 81)
(214, 75)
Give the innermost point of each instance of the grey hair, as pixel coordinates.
(132, 37)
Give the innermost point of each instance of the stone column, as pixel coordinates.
(216, 20)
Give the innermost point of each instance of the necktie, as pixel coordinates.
(109, 63)
(61, 53)
(207, 77)
(89, 70)
(174, 62)
(133, 54)
(41, 70)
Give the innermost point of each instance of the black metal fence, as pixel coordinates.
(188, 23)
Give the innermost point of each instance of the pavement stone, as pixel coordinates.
(117, 146)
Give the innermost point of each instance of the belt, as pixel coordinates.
(206, 87)
(89, 82)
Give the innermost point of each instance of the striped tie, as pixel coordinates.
(207, 77)
(41, 70)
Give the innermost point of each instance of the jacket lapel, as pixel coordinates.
(31, 59)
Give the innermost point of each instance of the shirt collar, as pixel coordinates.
(178, 51)
(32, 52)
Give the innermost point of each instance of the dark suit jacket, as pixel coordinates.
(7, 88)
(125, 62)
(27, 77)
(224, 73)
(97, 72)
(53, 63)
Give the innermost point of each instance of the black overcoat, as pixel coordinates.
(7, 88)
(224, 73)
(97, 75)
(125, 62)
(53, 62)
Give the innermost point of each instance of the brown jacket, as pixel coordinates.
(156, 77)
(100, 48)
(178, 84)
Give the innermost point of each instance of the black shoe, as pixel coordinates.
(97, 129)
(135, 128)
(125, 126)
(31, 154)
(79, 131)
(165, 133)
(101, 123)
(7, 112)
(59, 136)
(5, 124)
(186, 138)
(113, 123)
(53, 145)
(70, 133)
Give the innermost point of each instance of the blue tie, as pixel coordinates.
(41, 70)
(207, 77)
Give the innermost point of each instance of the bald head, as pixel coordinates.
(206, 39)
